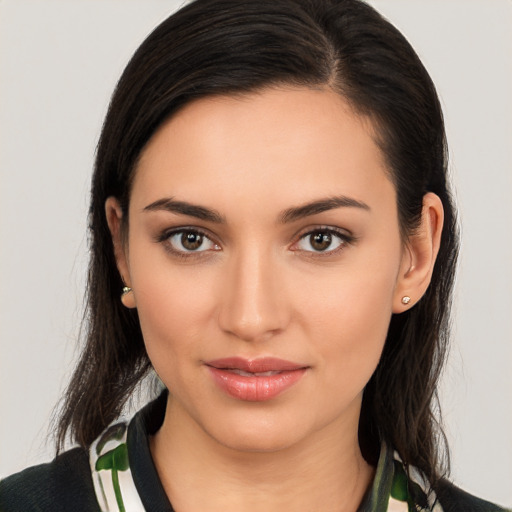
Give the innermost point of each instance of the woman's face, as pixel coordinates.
(265, 259)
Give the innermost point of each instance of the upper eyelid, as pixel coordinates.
(342, 232)
(167, 233)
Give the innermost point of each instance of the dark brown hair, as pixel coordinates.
(237, 46)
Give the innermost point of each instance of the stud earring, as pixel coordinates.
(127, 298)
(406, 299)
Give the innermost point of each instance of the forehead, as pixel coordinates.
(281, 141)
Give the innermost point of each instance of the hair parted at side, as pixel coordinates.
(214, 47)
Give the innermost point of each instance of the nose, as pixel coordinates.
(253, 305)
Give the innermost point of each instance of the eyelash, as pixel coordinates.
(343, 237)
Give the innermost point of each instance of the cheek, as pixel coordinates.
(349, 318)
(173, 304)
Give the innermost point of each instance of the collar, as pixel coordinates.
(125, 478)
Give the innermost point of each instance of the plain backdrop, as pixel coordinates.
(59, 61)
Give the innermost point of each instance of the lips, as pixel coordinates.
(255, 380)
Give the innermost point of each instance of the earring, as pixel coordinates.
(406, 299)
(127, 298)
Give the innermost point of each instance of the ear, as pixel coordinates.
(420, 255)
(114, 214)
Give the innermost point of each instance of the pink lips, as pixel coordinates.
(255, 380)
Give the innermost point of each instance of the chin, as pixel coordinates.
(253, 433)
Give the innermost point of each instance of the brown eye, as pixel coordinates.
(191, 241)
(323, 241)
(320, 241)
(188, 241)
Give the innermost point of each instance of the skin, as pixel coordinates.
(258, 287)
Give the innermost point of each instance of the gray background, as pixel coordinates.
(59, 61)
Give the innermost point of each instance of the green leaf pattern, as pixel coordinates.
(112, 478)
(410, 491)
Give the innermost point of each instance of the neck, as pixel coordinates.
(198, 473)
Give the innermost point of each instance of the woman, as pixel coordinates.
(270, 202)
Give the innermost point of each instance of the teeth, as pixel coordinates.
(255, 374)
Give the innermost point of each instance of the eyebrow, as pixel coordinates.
(286, 216)
(322, 205)
(184, 208)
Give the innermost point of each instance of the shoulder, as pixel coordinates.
(61, 485)
(453, 499)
